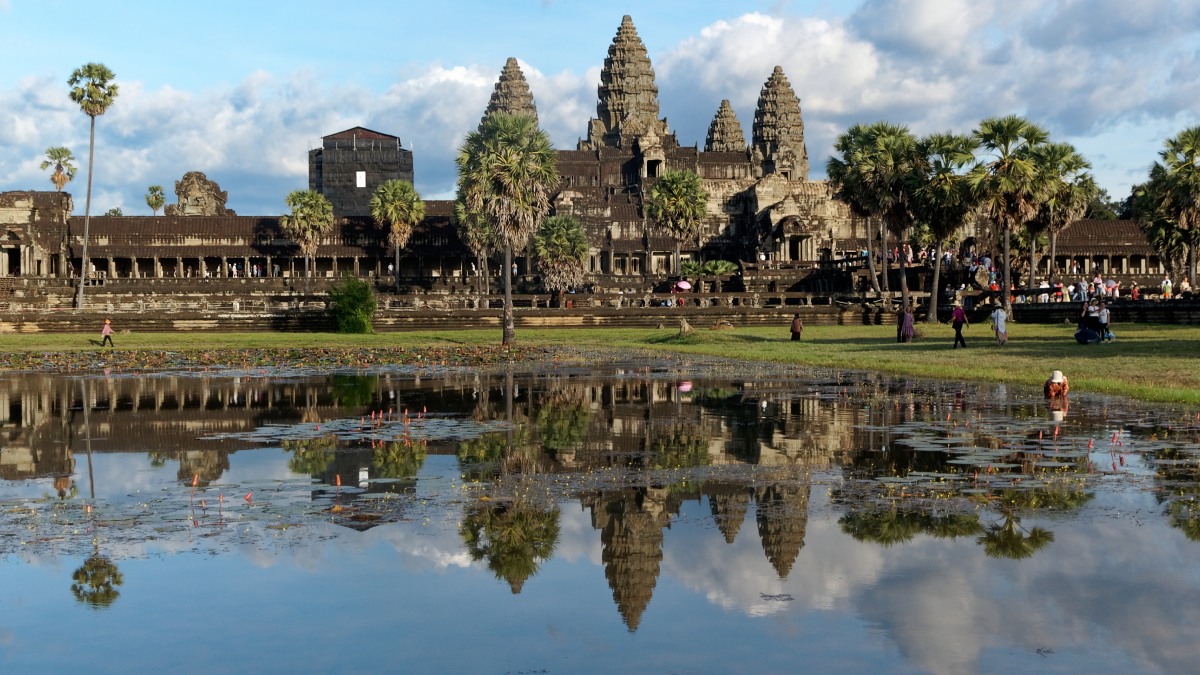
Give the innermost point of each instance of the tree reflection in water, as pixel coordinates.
(95, 582)
(513, 536)
(1008, 539)
(310, 456)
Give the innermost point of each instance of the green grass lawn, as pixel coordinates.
(1148, 362)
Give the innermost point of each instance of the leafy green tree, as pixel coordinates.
(506, 172)
(887, 527)
(943, 200)
(1179, 178)
(64, 166)
(353, 305)
(94, 91)
(514, 537)
(310, 456)
(1008, 539)
(155, 198)
(676, 203)
(310, 219)
(1008, 181)
(114, 211)
(1069, 190)
(397, 205)
(562, 252)
(398, 460)
(95, 582)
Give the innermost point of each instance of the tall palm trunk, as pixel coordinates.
(871, 259)
(510, 333)
(678, 264)
(1007, 278)
(935, 292)
(901, 237)
(396, 278)
(1053, 253)
(87, 217)
(1033, 273)
(887, 267)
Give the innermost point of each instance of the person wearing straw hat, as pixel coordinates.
(106, 333)
(1056, 387)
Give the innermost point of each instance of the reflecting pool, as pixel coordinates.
(647, 514)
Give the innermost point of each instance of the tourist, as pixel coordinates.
(1103, 317)
(106, 334)
(1135, 292)
(1056, 387)
(959, 319)
(1000, 325)
(1185, 286)
(1166, 288)
(1044, 291)
(797, 328)
(904, 325)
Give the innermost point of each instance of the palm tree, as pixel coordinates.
(64, 168)
(514, 537)
(506, 172)
(562, 250)
(944, 200)
(1070, 190)
(1181, 177)
(93, 89)
(1008, 182)
(676, 202)
(397, 204)
(480, 237)
(155, 198)
(311, 218)
(880, 171)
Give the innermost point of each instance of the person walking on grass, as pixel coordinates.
(797, 328)
(106, 333)
(959, 319)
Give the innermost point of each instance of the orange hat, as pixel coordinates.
(107, 321)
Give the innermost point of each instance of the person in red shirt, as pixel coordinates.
(1057, 386)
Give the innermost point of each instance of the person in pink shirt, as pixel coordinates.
(106, 332)
(959, 319)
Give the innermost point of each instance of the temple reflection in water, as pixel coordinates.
(647, 440)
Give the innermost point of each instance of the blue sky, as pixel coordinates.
(242, 91)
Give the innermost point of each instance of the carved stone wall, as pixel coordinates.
(198, 196)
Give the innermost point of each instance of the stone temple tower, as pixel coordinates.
(777, 145)
(627, 106)
(725, 133)
(512, 94)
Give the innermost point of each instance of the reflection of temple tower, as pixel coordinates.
(728, 503)
(631, 524)
(208, 464)
(782, 514)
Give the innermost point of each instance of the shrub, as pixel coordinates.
(353, 305)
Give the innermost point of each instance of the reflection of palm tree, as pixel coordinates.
(1185, 514)
(888, 527)
(310, 456)
(514, 537)
(562, 424)
(398, 460)
(1009, 540)
(355, 391)
(95, 582)
(954, 525)
(679, 448)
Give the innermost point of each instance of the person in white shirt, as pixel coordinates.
(1000, 324)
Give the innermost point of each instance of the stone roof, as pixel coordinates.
(778, 133)
(1091, 237)
(512, 94)
(360, 133)
(725, 133)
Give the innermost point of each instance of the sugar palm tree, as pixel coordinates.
(506, 172)
(562, 251)
(94, 91)
(64, 168)
(398, 205)
(851, 187)
(676, 202)
(155, 198)
(1180, 176)
(883, 165)
(1069, 192)
(1008, 181)
(310, 219)
(944, 200)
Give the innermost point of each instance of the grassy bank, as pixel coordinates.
(1148, 362)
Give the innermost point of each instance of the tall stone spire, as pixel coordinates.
(778, 135)
(511, 94)
(627, 105)
(725, 133)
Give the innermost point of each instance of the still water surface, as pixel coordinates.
(657, 516)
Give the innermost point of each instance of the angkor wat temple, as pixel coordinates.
(763, 210)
